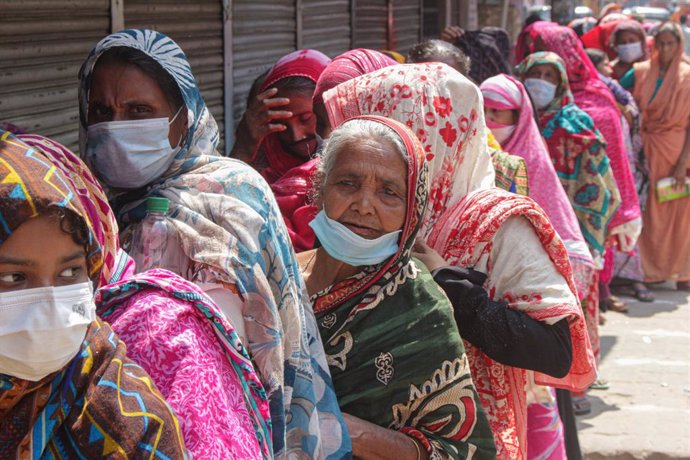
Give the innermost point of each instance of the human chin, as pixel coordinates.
(304, 148)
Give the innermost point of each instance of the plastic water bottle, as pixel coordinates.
(151, 239)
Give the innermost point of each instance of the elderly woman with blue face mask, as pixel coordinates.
(146, 131)
(404, 396)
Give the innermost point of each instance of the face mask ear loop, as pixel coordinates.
(179, 142)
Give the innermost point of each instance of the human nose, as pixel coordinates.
(363, 202)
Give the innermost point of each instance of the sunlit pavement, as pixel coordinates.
(645, 414)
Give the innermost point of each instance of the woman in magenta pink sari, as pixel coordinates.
(177, 334)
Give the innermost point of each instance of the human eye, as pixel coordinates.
(11, 278)
(71, 272)
(141, 109)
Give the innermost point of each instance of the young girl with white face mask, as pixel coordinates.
(55, 354)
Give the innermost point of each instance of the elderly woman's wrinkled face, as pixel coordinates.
(366, 190)
(124, 92)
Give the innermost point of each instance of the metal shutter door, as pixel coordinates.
(42, 45)
(371, 24)
(198, 28)
(408, 24)
(326, 26)
(262, 32)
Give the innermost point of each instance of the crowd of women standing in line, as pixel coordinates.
(451, 246)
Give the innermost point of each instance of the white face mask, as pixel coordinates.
(42, 329)
(541, 91)
(630, 52)
(132, 153)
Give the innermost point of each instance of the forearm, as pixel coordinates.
(245, 147)
(508, 336)
(370, 441)
(685, 153)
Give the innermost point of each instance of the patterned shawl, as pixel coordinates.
(101, 403)
(504, 92)
(377, 370)
(444, 109)
(302, 63)
(209, 382)
(577, 153)
(489, 52)
(229, 226)
(180, 337)
(593, 97)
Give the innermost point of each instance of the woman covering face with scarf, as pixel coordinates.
(70, 391)
(138, 93)
(472, 225)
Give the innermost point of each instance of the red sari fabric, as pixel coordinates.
(592, 96)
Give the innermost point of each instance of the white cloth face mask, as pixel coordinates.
(541, 91)
(130, 154)
(42, 329)
(630, 52)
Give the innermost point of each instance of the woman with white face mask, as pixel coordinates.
(66, 384)
(146, 131)
(629, 41)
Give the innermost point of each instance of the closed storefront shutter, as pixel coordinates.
(262, 32)
(326, 26)
(371, 24)
(42, 45)
(198, 28)
(408, 23)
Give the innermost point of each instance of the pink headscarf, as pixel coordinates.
(347, 66)
(594, 97)
(504, 92)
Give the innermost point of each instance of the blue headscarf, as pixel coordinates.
(229, 225)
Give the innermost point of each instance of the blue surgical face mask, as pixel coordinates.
(541, 91)
(345, 245)
(132, 153)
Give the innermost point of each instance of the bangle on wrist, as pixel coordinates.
(416, 445)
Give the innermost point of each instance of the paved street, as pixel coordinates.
(646, 359)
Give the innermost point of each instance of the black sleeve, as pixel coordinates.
(507, 336)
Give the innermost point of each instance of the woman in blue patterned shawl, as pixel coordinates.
(146, 131)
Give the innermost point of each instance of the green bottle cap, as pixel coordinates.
(157, 204)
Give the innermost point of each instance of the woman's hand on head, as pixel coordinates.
(427, 255)
(452, 33)
(262, 117)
